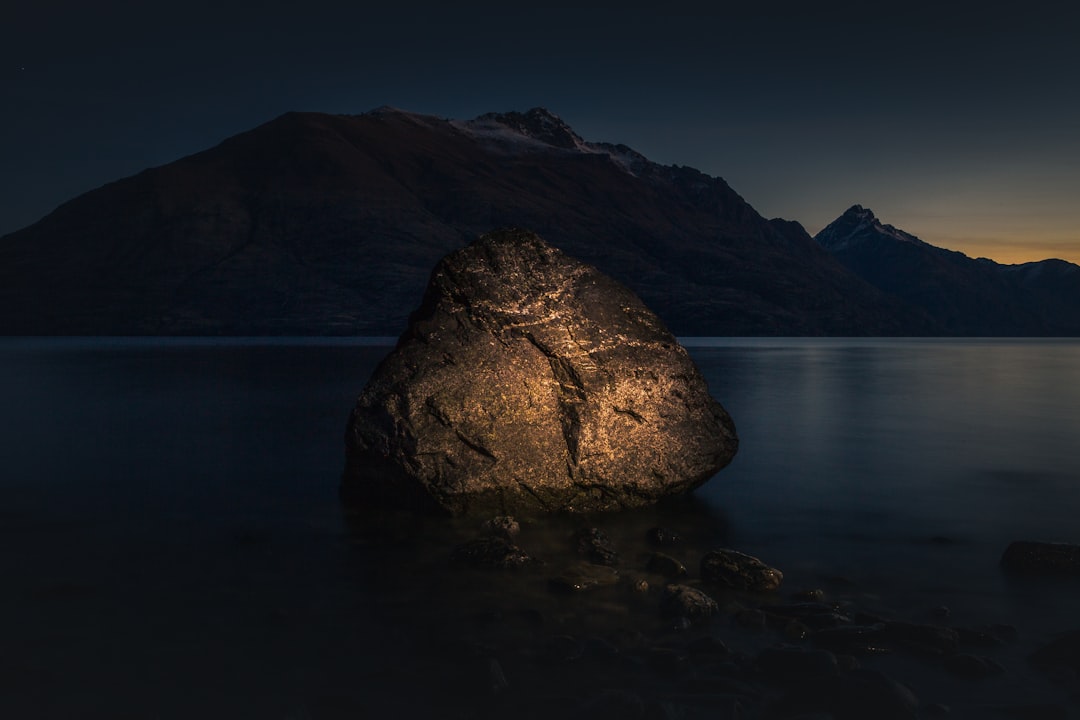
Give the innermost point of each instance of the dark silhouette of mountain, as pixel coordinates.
(967, 296)
(331, 224)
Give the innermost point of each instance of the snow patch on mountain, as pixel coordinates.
(857, 226)
(540, 130)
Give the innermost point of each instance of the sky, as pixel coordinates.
(959, 124)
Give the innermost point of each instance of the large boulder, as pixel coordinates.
(530, 382)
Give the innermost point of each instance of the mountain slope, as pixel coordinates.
(330, 224)
(967, 296)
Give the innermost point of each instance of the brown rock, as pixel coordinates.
(530, 382)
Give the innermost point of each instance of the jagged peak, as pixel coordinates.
(856, 226)
(541, 129)
(860, 212)
(538, 124)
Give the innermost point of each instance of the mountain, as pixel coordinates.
(330, 224)
(966, 296)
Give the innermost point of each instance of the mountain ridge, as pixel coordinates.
(316, 224)
(969, 296)
(321, 224)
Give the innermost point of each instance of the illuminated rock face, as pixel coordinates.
(529, 382)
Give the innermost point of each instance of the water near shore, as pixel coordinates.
(173, 546)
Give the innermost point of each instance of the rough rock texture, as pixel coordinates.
(740, 571)
(530, 382)
(688, 602)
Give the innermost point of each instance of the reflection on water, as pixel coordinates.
(172, 543)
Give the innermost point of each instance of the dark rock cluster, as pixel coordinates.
(587, 634)
(529, 382)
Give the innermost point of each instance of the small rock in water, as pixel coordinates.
(493, 552)
(666, 565)
(739, 571)
(596, 547)
(815, 615)
(584, 576)
(662, 537)
(504, 526)
(1042, 558)
(815, 595)
(688, 602)
(795, 630)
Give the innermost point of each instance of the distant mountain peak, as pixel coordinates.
(859, 225)
(966, 296)
(858, 211)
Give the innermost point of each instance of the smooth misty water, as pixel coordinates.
(172, 545)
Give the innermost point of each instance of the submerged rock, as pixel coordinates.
(504, 526)
(688, 602)
(494, 552)
(665, 565)
(530, 382)
(662, 536)
(596, 547)
(584, 576)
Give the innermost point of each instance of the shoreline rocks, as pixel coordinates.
(1041, 558)
(739, 571)
(563, 627)
(528, 382)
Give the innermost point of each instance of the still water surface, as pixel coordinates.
(172, 544)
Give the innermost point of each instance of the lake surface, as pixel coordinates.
(173, 546)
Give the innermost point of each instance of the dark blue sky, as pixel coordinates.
(961, 125)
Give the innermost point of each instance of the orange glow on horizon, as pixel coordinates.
(1011, 251)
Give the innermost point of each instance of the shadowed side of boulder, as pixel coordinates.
(530, 382)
